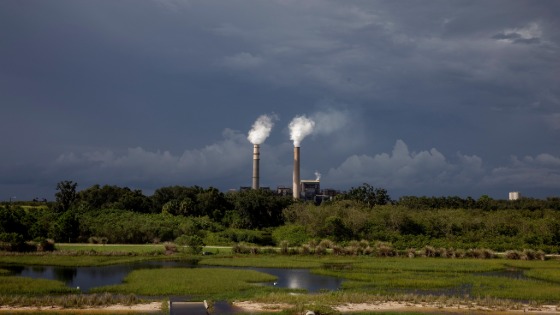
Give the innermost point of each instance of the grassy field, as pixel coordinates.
(73, 261)
(113, 248)
(201, 282)
(415, 280)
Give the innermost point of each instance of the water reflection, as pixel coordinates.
(301, 279)
(89, 277)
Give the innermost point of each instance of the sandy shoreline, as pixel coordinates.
(402, 307)
(117, 308)
(254, 307)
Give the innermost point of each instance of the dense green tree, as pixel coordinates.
(165, 194)
(65, 195)
(12, 220)
(96, 197)
(66, 227)
(367, 195)
(256, 208)
(211, 202)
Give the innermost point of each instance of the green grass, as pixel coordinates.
(550, 275)
(429, 264)
(265, 261)
(515, 289)
(451, 278)
(70, 261)
(28, 286)
(110, 248)
(367, 278)
(132, 249)
(188, 281)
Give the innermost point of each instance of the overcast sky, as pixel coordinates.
(433, 98)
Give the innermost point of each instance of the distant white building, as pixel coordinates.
(514, 195)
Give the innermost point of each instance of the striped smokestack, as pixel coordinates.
(256, 159)
(296, 186)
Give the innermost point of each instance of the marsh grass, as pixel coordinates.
(51, 259)
(430, 264)
(515, 289)
(549, 275)
(332, 299)
(268, 261)
(451, 278)
(187, 281)
(29, 286)
(140, 249)
(418, 280)
(70, 300)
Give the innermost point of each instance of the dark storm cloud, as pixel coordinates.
(423, 97)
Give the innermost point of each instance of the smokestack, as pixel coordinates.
(257, 135)
(300, 127)
(296, 185)
(256, 159)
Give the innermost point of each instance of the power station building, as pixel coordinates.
(310, 189)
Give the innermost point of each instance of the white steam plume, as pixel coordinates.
(261, 129)
(300, 127)
(317, 175)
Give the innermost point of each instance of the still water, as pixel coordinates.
(90, 277)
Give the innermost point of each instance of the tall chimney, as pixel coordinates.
(256, 159)
(296, 185)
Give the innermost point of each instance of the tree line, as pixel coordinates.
(196, 215)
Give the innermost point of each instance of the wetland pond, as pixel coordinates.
(89, 277)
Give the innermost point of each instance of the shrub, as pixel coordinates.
(320, 250)
(45, 245)
(364, 244)
(326, 243)
(294, 234)
(170, 248)
(411, 253)
(526, 254)
(194, 242)
(368, 251)
(429, 251)
(530, 254)
(306, 249)
(460, 253)
(97, 240)
(480, 253)
(284, 247)
(14, 242)
(337, 250)
(239, 248)
(513, 254)
(268, 250)
(216, 239)
(247, 236)
(384, 249)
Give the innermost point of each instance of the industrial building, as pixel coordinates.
(309, 190)
(514, 195)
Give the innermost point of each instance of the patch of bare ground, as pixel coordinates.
(249, 306)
